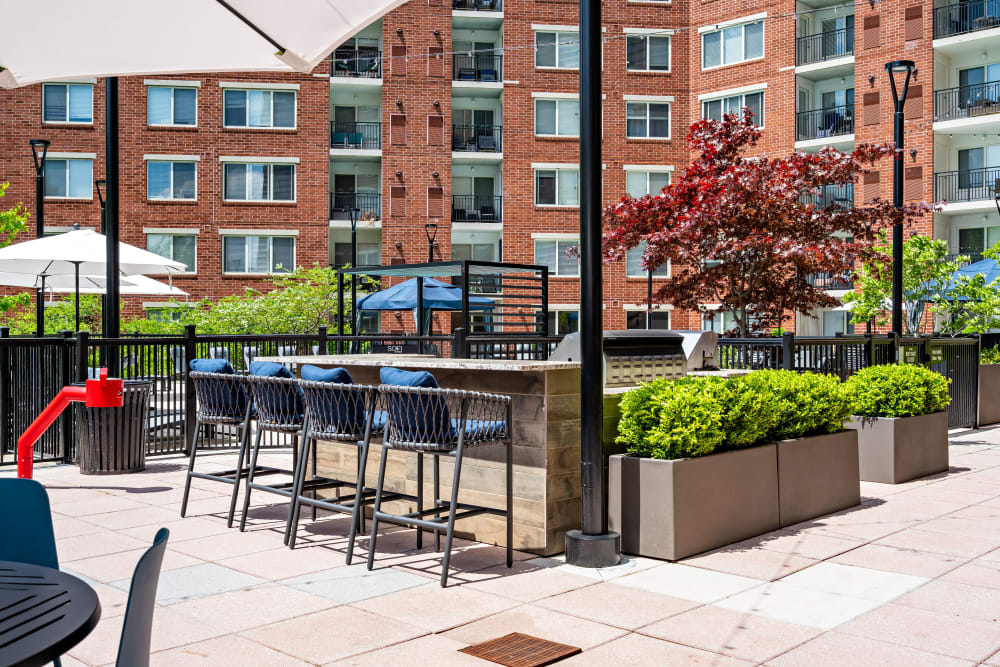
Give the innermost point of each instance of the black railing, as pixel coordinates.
(967, 16)
(364, 136)
(478, 5)
(476, 208)
(840, 196)
(967, 101)
(965, 258)
(488, 138)
(476, 67)
(830, 281)
(966, 184)
(824, 46)
(369, 205)
(823, 123)
(363, 63)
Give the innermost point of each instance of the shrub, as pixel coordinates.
(750, 410)
(897, 391)
(807, 403)
(990, 355)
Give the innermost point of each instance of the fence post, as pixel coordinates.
(788, 351)
(321, 335)
(870, 350)
(190, 401)
(82, 355)
(458, 344)
(6, 436)
(926, 351)
(895, 346)
(67, 415)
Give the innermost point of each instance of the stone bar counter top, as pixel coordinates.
(546, 441)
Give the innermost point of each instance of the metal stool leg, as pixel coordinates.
(510, 504)
(314, 493)
(453, 506)
(420, 496)
(244, 453)
(358, 511)
(437, 499)
(377, 506)
(253, 467)
(191, 456)
(295, 508)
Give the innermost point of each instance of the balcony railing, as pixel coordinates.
(478, 5)
(830, 281)
(487, 138)
(363, 63)
(967, 16)
(475, 208)
(969, 258)
(369, 205)
(821, 123)
(824, 46)
(966, 185)
(362, 136)
(840, 196)
(967, 101)
(476, 67)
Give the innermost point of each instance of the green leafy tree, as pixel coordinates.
(970, 304)
(13, 221)
(926, 269)
(59, 316)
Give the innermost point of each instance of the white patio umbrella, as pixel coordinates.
(130, 286)
(61, 283)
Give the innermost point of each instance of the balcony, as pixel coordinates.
(355, 136)
(369, 205)
(476, 208)
(477, 138)
(838, 196)
(966, 258)
(477, 5)
(969, 185)
(824, 123)
(477, 68)
(964, 17)
(830, 281)
(824, 46)
(356, 63)
(967, 102)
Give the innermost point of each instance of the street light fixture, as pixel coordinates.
(430, 230)
(898, 68)
(36, 146)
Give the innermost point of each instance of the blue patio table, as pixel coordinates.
(46, 612)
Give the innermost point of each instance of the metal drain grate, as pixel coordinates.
(518, 650)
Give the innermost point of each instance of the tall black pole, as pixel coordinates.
(649, 300)
(39, 160)
(112, 302)
(899, 100)
(355, 326)
(593, 545)
(98, 185)
(76, 282)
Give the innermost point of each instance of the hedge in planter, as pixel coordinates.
(989, 386)
(899, 413)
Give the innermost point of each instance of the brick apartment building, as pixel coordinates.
(464, 114)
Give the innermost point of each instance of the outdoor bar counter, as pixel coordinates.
(546, 440)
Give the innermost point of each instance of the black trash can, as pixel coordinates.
(112, 441)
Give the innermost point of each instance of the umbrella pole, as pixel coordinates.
(40, 311)
(112, 319)
(76, 282)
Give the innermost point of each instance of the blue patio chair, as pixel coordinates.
(137, 628)
(27, 526)
(355, 139)
(420, 418)
(339, 139)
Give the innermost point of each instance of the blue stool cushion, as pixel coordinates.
(279, 402)
(481, 429)
(417, 418)
(317, 374)
(212, 366)
(269, 369)
(399, 377)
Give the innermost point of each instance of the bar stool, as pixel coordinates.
(419, 419)
(343, 412)
(223, 400)
(278, 400)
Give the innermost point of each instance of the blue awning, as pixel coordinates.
(437, 296)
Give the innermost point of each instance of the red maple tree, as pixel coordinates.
(742, 231)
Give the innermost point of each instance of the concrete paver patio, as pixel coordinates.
(910, 577)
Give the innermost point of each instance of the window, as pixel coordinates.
(67, 103)
(170, 180)
(647, 53)
(557, 187)
(167, 105)
(731, 45)
(369, 254)
(557, 118)
(165, 314)
(563, 322)
(69, 179)
(478, 252)
(658, 319)
(258, 254)
(258, 182)
(714, 109)
(554, 254)
(647, 121)
(720, 323)
(178, 247)
(633, 264)
(972, 241)
(557, 49)
(641, 183)
(259, 108)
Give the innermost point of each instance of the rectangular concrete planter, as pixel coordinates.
(673, 509)
(893, 450)
(989, 394)
(817, 476)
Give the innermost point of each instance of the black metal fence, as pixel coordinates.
(844, 355)
(369, 205)
(823, 123)
(966, 16)
(477, 67)
(488, 138)
(980, 99)
(966, 184)
(824, 46)
(356, 135)
(363, 63)
(477, 5)
(476, 208)
(841, 196)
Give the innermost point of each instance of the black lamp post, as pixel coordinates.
(649, 299)
(353, 216)
(100, 184)
(431, 230)
(36, 146)
(898, 67)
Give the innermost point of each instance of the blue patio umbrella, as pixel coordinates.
(437, 296)
(989, 268)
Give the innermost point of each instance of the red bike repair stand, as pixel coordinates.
(103, 392)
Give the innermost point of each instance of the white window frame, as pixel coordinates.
(68, 84)
(650, 33)
(246, 248)
(657, 309)
(555, 310)
(559, 170)
(557, 239)
(173, 233)
(269, 164)
(647, 102)
(742, 96)
(721, 27)
(67, 157)
(271, 88)
(151, 159)
(173, 88)
(558, 98)
(645, 274)
(647, 170)
(558, 31)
